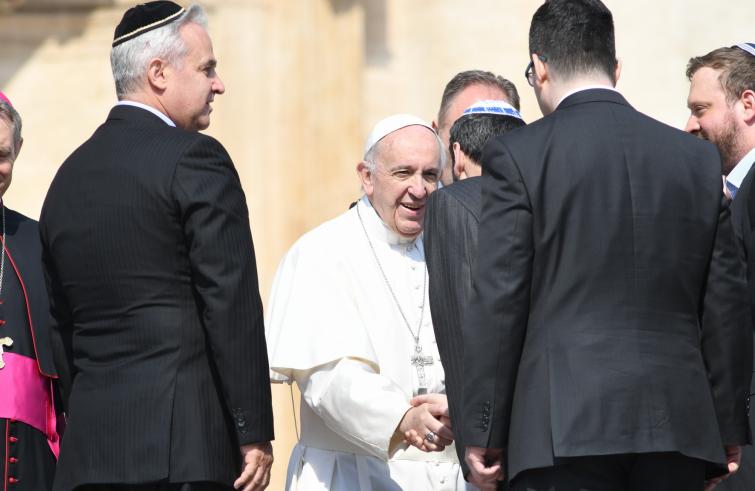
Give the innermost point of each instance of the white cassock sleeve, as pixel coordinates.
(312, 316)
(354, 401)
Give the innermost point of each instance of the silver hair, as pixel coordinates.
(370, 158)
(10, 114)
(129, 60)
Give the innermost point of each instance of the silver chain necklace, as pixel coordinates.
(418, 359)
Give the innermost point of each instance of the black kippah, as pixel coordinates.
(145, 17)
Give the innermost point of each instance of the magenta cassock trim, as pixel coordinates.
(27, 397)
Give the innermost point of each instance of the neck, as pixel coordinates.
(741, 153)
(473, 170)
(559, 88)
(146, 98)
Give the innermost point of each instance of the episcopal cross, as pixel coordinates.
(7, 342)
(420, 361)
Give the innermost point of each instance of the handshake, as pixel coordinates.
(427, 425)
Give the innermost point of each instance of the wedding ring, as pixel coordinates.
(430, 436)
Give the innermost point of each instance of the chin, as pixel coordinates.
(410, 232)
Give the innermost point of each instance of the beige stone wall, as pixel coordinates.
(306, 79)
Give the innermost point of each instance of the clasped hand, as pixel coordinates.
(428, 416)
(257, 459)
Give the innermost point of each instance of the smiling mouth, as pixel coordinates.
(412, 207)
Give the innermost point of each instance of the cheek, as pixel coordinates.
(5, 170)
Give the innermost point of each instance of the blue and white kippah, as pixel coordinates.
(501, 108)
(749, 47)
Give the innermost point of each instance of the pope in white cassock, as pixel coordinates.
(349, 321)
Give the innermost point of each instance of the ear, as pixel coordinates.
(435, 126)
(617, 72)
(157, 74)
(541, 69)
(365, 177)
(458, 161)
(748, 103)
(18, 148)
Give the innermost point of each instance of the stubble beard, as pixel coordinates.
(728, 142)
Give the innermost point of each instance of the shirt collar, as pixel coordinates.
(738, 173)
(377, 228)
(586, 87)
(151, 109)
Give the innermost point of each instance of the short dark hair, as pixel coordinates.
(737, 68)
(575, 37)
(462, 80)
(472, 132)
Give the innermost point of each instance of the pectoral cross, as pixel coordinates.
(7, 342)
(420, 361)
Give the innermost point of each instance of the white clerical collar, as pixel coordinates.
(738, 173)
(586, 87)
(376, 227)
(151, 109)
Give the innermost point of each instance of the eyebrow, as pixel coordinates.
(399, 167)
(211, 63)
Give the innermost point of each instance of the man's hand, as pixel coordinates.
(255, 468)
(733, 458)
(485, 469)
(425, 417)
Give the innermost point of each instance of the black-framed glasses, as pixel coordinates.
(529, 72)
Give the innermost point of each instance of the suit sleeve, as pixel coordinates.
(495, 325)
(216, 229)
(726, 335)
(61, 325)
(448, 240)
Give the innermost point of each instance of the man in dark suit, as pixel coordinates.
(29, 440)
(153, 280)
(450, 232)
(464, 89)
(607, 345)
(722, 110)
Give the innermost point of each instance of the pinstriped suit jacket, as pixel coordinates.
(450, 237)
(153, 284)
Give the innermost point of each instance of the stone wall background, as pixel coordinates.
(306, 80)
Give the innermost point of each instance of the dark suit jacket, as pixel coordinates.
(609, 309)
(153, 284)
(742, 211)
(450, 238)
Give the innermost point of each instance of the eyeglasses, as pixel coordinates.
(529, 72)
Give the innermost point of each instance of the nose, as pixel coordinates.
(418, 187)
(218, 86)
(693, 125)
